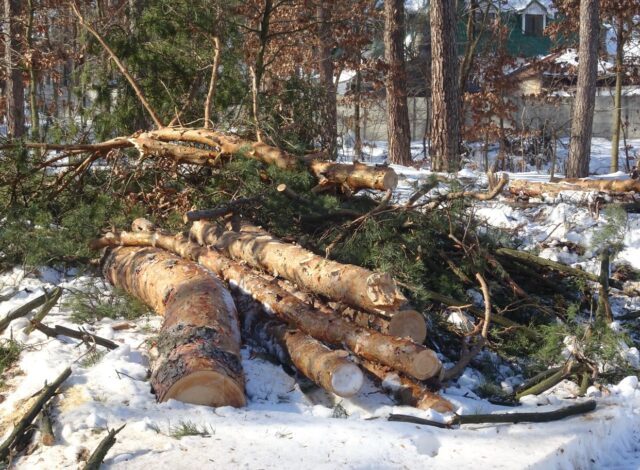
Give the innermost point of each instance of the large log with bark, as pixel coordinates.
(353, 285)
(199, 343)
(533, 189)
(398, 353)
(352, 177)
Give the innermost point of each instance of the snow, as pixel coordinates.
(286, 426)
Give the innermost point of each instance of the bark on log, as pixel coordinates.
(353, 285)
(180, 153)
(352, 177)
(401, 354)
(407, 391)
(403, 324)
(199, 341)
(531, 189)
(327, 368)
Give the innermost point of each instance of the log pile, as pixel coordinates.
(297, 306)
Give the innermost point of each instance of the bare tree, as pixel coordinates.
(582, 122)
(326, 72)
(14, 88)
(445, 95)
(398, 131)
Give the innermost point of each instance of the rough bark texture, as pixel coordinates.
(617, 106)
(399, 134)
(13, 87)
(199, 342)
(327, 368)
(445, 96)
(407, 391)
(352, 285)
(584, 105)
(401, 354)
(531, 189)
(325, 74)
(352, 178)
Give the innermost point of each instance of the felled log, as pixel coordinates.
(403, 324)
(327, 368)
(352, 285)
(407, 391)
(352, 177)
(199, 343)
(534, 189)
(25, 422)
(401, 354)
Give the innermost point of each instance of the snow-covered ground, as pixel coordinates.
(284, 427)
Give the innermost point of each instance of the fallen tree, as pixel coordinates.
(355, 286)
(535, 189)
(401, 354)
(199, 343)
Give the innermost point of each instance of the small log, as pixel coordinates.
(25, 422)
(355, 177)
(98, 455)
(328, 369)
(353, 285)
(180, 153)
(407, 391)
(604, 306)
(44, 310)
(82, 335)
(199, 343)
(404, 355)
(23, 310)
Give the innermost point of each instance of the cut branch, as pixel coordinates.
(98, 455)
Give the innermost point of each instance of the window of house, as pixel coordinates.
(533, 25)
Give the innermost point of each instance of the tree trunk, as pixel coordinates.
(199, 342)
(582, 121)
(33, 79)
(398, 131)
(532, 189)
(617, 107)
(357, 136)
(352, 285)
(401, 354)
(445, 96)
(14, 87)
(328, 369)
(325, 70)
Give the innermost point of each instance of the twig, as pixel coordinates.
(46, 308)
(82, 335)
(21, 426)
(100, 452)
(23, 310)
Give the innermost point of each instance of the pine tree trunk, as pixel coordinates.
(617, 107)
(401, 354)
(33, 78)
(14, 88)
(199, 342)
(352, 285)
(325, 70)
(357, 144)
(445, 96)
(582, 121)
(396, 83)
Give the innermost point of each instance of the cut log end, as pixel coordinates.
(425, 365)
(208, 388)
(382, 292)
(347, 380)
(390, 180)
(408, 324)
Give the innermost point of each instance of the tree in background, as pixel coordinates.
(582, 121)
(399, 134)
(445, 96)
(14, 88)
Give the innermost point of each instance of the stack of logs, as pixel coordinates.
(326, 319)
